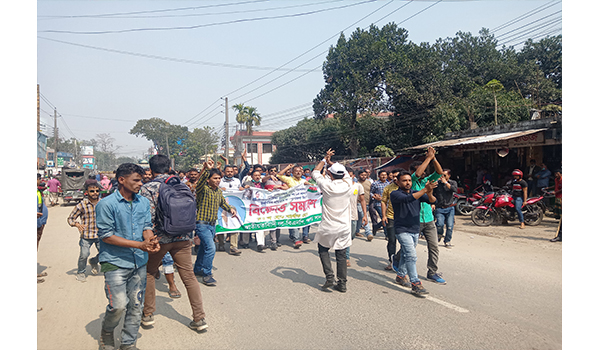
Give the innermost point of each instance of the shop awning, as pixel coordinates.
(395, 161)
(477, 139)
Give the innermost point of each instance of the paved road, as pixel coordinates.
(504, 292)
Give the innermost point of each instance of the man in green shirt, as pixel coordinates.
(427, 227)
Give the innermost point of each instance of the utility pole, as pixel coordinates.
(55, 140)
(38, 108)
(226, 128)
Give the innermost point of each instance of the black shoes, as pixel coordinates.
(340, 287)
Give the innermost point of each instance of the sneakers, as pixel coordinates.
(298, 244)
(556, 239)
(404, 281)
(306, 240)
(395, 264)
(328, 284)
(107, 340)
(220, 248)
(209, 281)
(369, 238)
(147, 320)
(340, 287)
(260, 247)
(418, 290)
(273, 246)
(81, 277)
(358, 234)
(436, 277)
(448, 245)
(198, 326)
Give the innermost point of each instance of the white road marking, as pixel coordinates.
(435, 300)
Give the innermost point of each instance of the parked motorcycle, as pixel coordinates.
(466, 203)
(500, 206)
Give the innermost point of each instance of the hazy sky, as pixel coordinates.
(106, 64)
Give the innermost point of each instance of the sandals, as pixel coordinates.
(43, 274)
(175, 294)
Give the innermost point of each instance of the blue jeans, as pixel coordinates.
(408, 255)
(305, 231)
(444, 216)
(353, 225)
(167, 263)
(360, 217)
(206, 251)
(125, 289)
(294, 234)
(84, 252)
(518, 205)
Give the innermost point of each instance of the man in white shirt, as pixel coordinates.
(334, 229)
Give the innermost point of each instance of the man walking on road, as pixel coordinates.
(53, 188)
(179, 247)
(85, 211)
(388, 216)
(427, 227)
(375, 206)
(444, 207)
(209, 198)
(125, 231)
(406, 223)
(42, 218)
(335, 226)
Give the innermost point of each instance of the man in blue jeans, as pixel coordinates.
(126, 237)
(83, 217)
(444, 207)
(407, 206)
(519, 194)
(209, 198)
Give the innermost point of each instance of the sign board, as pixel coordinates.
(87, 150)
(527, 140)
(60, 162)
(90, 166)
(259, 209)
(50, 163)
(88, 160)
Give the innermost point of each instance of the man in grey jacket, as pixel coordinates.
(444, 208)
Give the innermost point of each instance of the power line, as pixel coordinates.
(526, 15)
(156, 11)
(165, 58)
(208, 24)
(120, 16)
(529, 24)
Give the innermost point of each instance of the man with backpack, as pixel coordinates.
(173, 211)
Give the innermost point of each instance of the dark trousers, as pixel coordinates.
(340, 259)
(429, 230)
(391, 238)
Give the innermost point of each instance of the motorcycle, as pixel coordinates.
(465, 203)
(500, 206)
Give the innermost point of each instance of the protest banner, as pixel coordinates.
(259, 209)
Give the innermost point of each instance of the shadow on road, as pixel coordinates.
(41, 268)
(297, 275)
(370, 277)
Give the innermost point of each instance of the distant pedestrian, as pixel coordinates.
(375, 204)
(334, 229)
(558, 204)
(292, 181)
(125, 231)
(83, 216)
(519, 194)
(388, 216)
(53, 189)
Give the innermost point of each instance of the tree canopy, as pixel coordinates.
(426, 89)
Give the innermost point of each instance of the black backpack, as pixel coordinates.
(176, 209)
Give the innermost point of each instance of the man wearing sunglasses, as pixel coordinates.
(85, 211)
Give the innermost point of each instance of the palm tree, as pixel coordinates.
(494, 86)
(248, 116)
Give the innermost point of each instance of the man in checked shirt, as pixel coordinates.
(86, 213)
(209, 198)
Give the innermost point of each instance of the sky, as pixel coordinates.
(106, 64)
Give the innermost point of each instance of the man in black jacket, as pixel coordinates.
(444, 207)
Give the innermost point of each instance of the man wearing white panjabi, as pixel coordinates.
(335, 226)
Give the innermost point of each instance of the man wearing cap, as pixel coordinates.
(334, 229)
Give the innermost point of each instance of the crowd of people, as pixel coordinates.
(145, 223)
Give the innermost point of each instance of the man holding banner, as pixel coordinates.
(334, 229)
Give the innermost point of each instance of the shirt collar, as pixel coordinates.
(121, 198)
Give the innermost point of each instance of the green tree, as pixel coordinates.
(167, 138)
(249, 117)
(201, 141)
